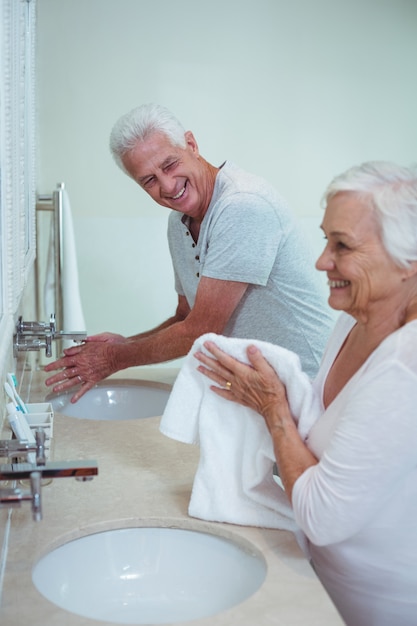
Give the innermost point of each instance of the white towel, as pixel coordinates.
(234, 480)
(72, 312)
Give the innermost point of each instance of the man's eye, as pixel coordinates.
(148, 182)
(171, 165)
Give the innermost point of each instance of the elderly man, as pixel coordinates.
(240, 262)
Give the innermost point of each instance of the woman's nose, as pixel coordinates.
(325, 262)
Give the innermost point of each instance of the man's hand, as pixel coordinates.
(86, 364)
(99, 356)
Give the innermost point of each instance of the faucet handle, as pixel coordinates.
(13, 497)
(40, 437)
(34, 336)
(34, 328)
(38, 335)
(48, 345)
(15, 447)
(35, 487)
(52, 323)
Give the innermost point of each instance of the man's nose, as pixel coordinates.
(167, 184)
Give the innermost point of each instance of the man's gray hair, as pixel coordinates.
(392, 191)
(138, 124)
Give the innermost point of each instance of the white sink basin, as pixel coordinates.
(149, 575)
(121, 399)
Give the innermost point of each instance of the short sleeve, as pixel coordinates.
(243, 241)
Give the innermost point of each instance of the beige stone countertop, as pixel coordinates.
(144, 479)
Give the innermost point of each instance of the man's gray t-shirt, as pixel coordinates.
(250, 235)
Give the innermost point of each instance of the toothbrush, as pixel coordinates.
(13, 383)
(19, 423)
(12, 397)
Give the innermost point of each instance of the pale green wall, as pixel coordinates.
(295, 91)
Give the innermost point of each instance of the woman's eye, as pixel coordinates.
(341, 246)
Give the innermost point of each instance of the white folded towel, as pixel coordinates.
(72, 312)
(234, 480)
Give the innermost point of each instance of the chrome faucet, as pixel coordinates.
(17, 448)
(39, 336)
(80, 470)
(14, 497)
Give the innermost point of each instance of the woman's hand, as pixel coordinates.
(256, 386)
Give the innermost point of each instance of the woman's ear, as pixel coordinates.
(410, 271)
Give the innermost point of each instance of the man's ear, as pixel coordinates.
(191, 142)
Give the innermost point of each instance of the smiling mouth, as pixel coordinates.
(179, 194)
(334, 284)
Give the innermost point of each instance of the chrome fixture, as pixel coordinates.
(80, 470)
(14, 497)
(16, 448)
(40, 335)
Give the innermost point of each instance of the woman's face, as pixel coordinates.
(362, 277)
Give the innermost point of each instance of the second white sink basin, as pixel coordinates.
(118, 399)
(149, 575)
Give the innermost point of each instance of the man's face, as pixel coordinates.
(174, 177)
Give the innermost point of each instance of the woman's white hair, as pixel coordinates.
(392, 191)
(138, 124)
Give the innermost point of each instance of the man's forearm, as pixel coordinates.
(153, 331)
(168, 342)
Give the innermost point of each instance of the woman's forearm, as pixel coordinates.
(291, 454)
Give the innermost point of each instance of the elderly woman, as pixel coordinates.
(353, 482)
